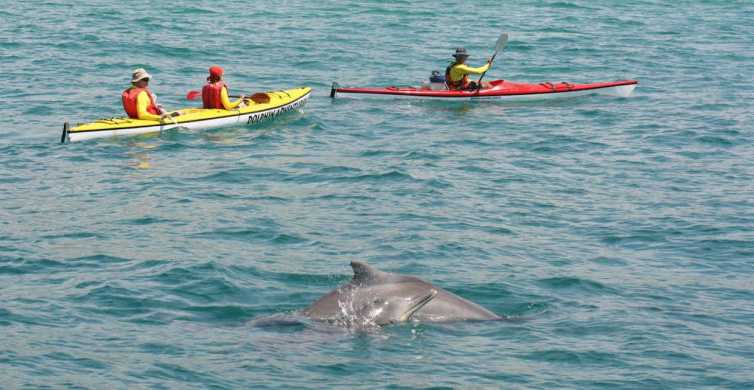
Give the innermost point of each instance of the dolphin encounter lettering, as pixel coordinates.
(261, 116)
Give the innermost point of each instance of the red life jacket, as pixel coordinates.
(212, 95)
(460, 84)
(130, 104)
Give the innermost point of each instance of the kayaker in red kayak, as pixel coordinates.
(215, 92)
(139, 102)
(457, 73)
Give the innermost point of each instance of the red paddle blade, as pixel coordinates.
(193, 95)
(260, 98)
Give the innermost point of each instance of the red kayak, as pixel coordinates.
(499, 89)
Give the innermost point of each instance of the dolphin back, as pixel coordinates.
(448, 307)
(445, 306)
(371, 287)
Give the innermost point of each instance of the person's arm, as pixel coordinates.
(142, 102)
(226, 101)
(465, 69)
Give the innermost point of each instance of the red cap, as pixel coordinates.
(216, 71)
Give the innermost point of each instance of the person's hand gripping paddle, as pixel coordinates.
(501, 42)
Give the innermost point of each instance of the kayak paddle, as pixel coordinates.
(501, 42)
(193, 95)
(259, 97)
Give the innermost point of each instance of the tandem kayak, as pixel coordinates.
(191, 118)
(500, 89)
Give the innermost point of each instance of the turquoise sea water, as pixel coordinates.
(617, 234)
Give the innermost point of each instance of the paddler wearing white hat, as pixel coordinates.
(139, 102)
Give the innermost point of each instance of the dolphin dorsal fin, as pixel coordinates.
(364, 273)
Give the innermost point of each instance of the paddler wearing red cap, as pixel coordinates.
(215, 92)
(457, 73)
(139, 102)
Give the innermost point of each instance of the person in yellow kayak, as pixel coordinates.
(139, 102)
(457, 73)
(215, 92)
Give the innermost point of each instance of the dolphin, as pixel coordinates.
(374, 297)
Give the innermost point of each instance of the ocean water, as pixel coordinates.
(617, 235)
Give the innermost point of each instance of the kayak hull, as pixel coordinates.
(500, 90)
(191, 118)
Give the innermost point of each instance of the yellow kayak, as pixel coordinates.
(191, 118)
